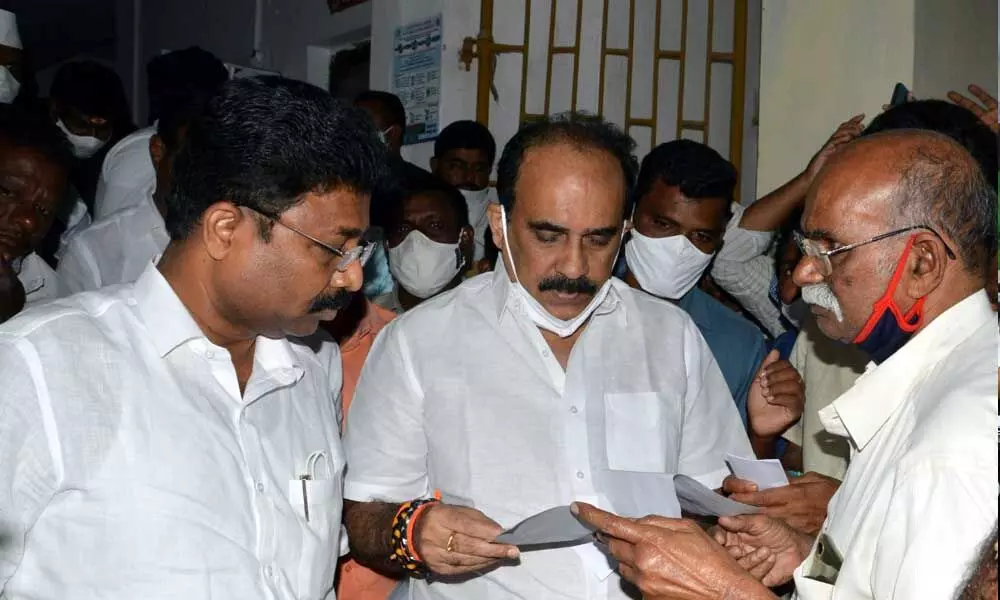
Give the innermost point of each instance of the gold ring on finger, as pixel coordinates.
(451, 541)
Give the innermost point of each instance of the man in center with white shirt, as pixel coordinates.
(165, 439)
(542, 382)
(117, 248)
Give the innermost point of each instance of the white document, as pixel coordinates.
(556, 525)
(697, 499)
(767, 473)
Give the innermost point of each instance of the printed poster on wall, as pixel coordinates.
(416, 77)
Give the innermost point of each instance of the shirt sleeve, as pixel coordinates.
(749, 281)
(28, 474)
(939, 513)
(385, 441)
(712, 425)
(78, 269)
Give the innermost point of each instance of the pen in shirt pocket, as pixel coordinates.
(305, 494)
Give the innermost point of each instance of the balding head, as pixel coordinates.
(890, 182)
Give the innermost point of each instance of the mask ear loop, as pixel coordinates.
(908, 322)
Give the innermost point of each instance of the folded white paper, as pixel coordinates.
(767, 473)
(556, 525)
(697, 499)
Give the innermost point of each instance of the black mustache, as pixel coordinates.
(561, 283)
(331, 302)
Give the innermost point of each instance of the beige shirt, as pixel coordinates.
(829, 368)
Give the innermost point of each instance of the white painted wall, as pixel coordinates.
(458, 87)
(956, 44)
(821, 63)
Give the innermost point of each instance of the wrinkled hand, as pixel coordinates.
(471, 534)
(671, 558)
(987, 113)
(802, 503)
(777, 397)
(844, 134)
(767, 547)
(12, 296)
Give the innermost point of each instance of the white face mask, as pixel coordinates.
(667, 267)
(536, 312)
(422, 266)
(84, 146)
(9, 85)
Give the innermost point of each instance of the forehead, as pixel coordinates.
(850, 200)
(468, 155)
(577, 188)
(668, 200)
(29, 163)
(426, 203)
(333, 211)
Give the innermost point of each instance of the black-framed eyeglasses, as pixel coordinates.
(345, 258)
(811, 248)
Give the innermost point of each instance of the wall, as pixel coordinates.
(458, 95)
(955, 45)
(821, 63)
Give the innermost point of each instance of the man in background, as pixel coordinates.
(463, 156)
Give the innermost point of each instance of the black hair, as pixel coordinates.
(175, 117)
(580, 130)
(181, 77)
(265, 142)
(466, 135)
(25, 126)
(417, 182)
(696, 169)
(946, 118)
(388, 103)
(94, 90)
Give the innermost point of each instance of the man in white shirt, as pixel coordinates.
(899, 230)
(117, 248)
(545, 381)
(34, 170)
(164, 439)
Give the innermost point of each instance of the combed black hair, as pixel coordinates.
(577, 129)
(182, 77)
(462, 135)
(264, 143)
(946, 118)
(26, 127)
(175, 117)
(416, 182)
(94, 90)
(698, 170)
(388, 103)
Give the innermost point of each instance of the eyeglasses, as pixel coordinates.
(345, 258)
(811, 248)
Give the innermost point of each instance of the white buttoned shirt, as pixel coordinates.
(920, 493)
(115, 249)
(463, 395)
(131, 465)
(127, 169)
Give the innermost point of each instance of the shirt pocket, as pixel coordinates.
(636, 432)
(321, 531)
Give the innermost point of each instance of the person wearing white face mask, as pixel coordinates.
(463, 156)
(429, 243)
(544, 381)
(682, 207)
(10, 57)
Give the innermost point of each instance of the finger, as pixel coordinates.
(471, 522)
(759, 563)
(464, 544)
(613, 525)
(681, 525)
(628, 573)
(772, 497)
(772, 357)
(781, 371)
(983, 96)
(624, 552)
(734, 485)
(964, 102)
(789, 389)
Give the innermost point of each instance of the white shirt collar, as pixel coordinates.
(865, 408)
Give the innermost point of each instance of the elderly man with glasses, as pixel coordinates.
(164, 439)
(898, 234)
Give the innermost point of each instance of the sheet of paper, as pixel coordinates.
(556, 525)
(697, 499)
(767, 473)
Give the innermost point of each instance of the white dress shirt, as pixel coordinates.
(920, 493)
(463, 395)
(127, 169)
(131, 465)
(39, 281)
(744, 269)
(114, 250)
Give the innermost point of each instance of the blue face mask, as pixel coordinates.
(888, 328)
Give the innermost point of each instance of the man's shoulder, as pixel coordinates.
(80, 317)
(472, 295)
(710, 314)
